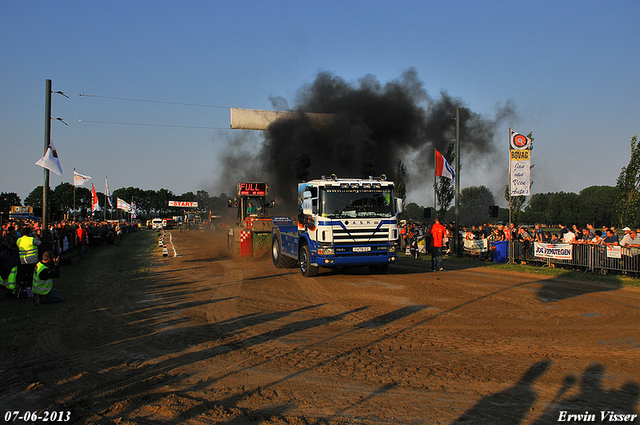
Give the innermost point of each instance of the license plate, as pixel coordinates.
(361, 249)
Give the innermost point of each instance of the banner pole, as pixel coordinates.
(457, 186)
(47, 140)
(435, 204)
(509, 189)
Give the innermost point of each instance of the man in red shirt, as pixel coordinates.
(82, 240)
(437, 233)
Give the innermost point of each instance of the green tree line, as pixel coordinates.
(149, 203)
(595, 204)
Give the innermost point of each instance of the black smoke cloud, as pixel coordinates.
(377, 125)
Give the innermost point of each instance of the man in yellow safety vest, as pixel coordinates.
(8, 273)
(28, 251)
(43, 276)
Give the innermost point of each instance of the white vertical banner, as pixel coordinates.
(520, 172)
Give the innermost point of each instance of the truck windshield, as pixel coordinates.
(337, 203)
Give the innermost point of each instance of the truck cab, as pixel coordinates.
(341, 223)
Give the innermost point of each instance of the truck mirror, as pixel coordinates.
(306, 203)
(399, 205)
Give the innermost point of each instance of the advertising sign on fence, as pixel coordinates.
(614, 251)
(562, 251)
(476, 245)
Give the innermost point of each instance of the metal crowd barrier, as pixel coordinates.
(593, 258)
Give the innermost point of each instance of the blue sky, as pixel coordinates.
(571, 68)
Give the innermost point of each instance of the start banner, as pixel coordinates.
(563, 251)
(183, 204)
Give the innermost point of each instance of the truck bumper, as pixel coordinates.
(353, 260)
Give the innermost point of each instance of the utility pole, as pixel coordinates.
(47, 138)
(457, 225)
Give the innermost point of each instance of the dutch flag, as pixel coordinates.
(443, 168)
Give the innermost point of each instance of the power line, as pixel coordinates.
(152, 125)
(152, 101)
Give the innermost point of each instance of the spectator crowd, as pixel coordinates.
(27, 257)
(414, 237)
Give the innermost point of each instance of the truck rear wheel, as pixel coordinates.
(306, 268)
(279, 260)
(276, 252)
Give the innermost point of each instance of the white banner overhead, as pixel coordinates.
(259, 119)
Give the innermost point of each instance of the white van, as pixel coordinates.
(156, 224)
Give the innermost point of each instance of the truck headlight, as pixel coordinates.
(326, 250)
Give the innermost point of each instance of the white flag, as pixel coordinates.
(79, 179)
(122, 205)
(50, 160)
(109, 197)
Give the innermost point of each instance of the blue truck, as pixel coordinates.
(341, 223)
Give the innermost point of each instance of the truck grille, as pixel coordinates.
(342, 236)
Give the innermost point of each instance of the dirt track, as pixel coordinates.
(202, 338)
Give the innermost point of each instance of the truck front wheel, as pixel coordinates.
(306, 268)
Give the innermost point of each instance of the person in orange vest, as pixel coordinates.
(28, 251)
(403, 237)
(437, 233)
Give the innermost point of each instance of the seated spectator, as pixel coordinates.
(554, 239)
(46, 270)
(8, 272)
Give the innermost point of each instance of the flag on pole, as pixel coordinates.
(95, 205)
(50, 160)
(443, 168)
(79, 179)
(106, 189)
(122, 205)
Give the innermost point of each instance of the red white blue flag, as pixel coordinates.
(443, 168)
(95, 205)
